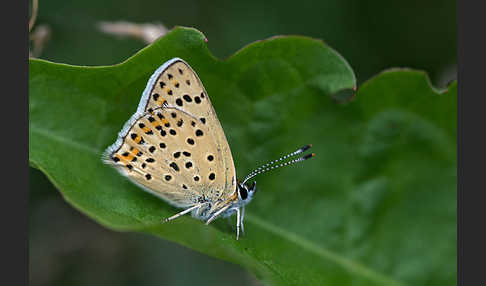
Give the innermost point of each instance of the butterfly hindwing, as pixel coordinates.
(174, 146)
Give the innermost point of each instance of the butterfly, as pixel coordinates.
(175, 148)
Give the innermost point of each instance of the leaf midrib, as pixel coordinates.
(306, 244)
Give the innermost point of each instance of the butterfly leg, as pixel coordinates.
(241, 221)
(183, 212)
(238, 223)
(214, 216)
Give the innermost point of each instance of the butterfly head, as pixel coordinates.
(246, 192)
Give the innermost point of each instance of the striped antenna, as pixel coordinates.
(300, 150)
(268, 166)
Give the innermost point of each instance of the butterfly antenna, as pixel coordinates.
(268, 166)
(300, 150)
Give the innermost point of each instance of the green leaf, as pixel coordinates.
(376, 206)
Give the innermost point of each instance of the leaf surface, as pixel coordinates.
(376, 206)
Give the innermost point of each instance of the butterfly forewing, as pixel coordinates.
(174, 145)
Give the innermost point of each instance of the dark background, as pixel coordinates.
(67, 248)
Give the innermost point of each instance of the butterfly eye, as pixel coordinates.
(243, 193)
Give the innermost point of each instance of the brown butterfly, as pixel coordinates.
(175, 148)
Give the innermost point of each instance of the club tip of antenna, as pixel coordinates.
(308, 156)
(306, 147)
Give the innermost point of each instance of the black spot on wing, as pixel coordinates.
(174, 166)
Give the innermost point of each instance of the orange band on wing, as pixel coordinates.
(146, 129)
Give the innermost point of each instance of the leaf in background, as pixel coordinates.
(376, 206)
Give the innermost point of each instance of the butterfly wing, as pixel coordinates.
(174, 145)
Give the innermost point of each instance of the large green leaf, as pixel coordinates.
(376, 206)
